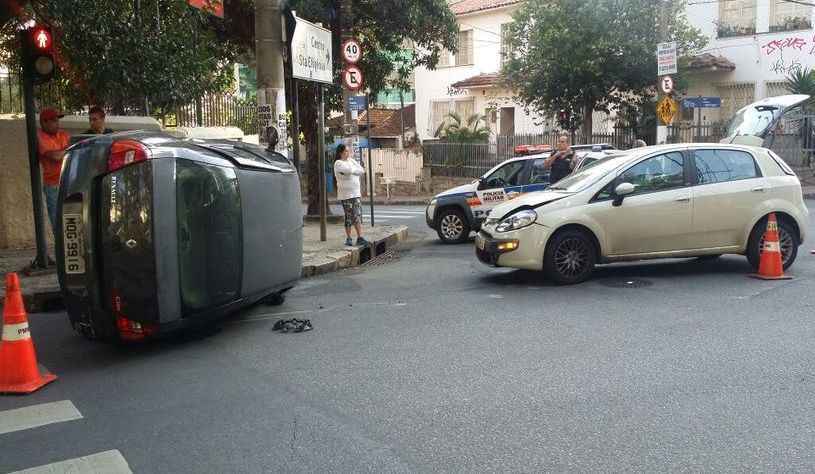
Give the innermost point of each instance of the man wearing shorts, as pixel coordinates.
(347, 172)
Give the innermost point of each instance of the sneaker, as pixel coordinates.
(349, 242)
(361, 241)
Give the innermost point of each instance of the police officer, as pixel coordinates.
(560, 162)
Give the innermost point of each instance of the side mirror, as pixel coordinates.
(480, 183)
(620, 192)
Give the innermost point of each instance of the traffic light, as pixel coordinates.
(40, 52)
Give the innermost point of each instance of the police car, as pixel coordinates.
(456, 212)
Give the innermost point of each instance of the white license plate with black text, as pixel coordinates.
(72, 238)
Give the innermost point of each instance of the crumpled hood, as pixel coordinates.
(527, 200)
(464, 188)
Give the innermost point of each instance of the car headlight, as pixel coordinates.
(431, 208)
(516, 221)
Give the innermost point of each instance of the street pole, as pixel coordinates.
(321, 161)
(41, 260)
(662, 130)
(271, 88)
(370, 168)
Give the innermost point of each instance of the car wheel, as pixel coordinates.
(787, 238)
(275, 299)
(453, 226)
(570, 257)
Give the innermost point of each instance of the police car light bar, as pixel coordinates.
(531, 149)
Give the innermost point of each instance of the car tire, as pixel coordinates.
(570, 257)
(275, 299)
(787, 236)
(453, 227)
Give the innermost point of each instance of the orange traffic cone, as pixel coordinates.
(18, 362)
(770, 266)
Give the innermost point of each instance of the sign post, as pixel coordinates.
(312, 61)
(666, 106)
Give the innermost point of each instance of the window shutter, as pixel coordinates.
(464, 56)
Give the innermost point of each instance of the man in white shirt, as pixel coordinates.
(347, 172)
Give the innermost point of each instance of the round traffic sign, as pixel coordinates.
(352, 78)
(351, 51)
(666, 84)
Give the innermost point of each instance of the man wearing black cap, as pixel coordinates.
(51, 145)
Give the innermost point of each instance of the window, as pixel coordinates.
(506, 43)
(444, 58)
(776, 88)
(736, 18)
(440, 111)
(789, 16)
(464, 56)
(656, 174)
(209, 235)
(734, 97)
(716, 166)
(540, 174)
(507, 175)
(464, 108)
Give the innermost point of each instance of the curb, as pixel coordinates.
(51, 299)
(357, 256)
(392, 202)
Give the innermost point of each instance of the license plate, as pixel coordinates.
(480, 242)
(72, 239)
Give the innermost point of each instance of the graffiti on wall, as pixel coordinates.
(786, 53)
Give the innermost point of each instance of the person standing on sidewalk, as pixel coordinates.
(96, 118)
(51, 145)
(347, 172)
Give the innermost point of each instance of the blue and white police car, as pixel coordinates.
(454, 213)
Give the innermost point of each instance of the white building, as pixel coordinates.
(468, 82)
(753, 45)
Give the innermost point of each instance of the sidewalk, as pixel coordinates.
(42, 292)
(380, 200)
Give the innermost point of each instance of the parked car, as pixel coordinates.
(159, 233)
(686, 200)
(457, 212)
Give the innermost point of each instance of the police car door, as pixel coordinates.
(538, 177)
(501, 185)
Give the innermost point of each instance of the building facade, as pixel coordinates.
(753, 46)
(468, 81)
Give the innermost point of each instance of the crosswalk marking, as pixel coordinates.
(106, 462)
(37, 415)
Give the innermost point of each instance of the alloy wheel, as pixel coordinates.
(452, 226)
(572, 257)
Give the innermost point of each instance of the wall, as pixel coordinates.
(16, 215)
(762, 59)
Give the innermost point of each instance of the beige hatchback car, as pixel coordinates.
(684, 200)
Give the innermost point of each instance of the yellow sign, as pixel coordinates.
(667, 109)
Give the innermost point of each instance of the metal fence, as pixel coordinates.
(704, 133)
(217, 110)
(11, 94)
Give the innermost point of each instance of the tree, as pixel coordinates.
(583, 56)
(113, 53)
(382, 27)
(455, 130)
(801, 81)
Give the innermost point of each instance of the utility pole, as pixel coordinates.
(664, 9)
(269, 51)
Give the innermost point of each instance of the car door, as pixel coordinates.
(656, 217)
(538, 176)
(728, 187)
(502, 184)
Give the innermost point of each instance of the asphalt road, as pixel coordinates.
(428, 361)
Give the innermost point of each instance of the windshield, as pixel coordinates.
(587, 176)
(753, 120)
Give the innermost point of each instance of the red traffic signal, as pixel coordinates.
(41, 38)
(40, 61)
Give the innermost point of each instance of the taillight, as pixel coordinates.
(129, 330)
(125, 152)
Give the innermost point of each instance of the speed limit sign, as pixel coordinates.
(352, 78)
(351, 51)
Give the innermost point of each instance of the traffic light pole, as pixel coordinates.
(41, 262)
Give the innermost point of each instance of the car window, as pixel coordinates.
(507, 175)
(716, 166)
(540, 174)
(656, 173)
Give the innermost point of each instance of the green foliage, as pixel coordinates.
(801, 81)
(455, 130)
(592, 55)
(110, 54)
